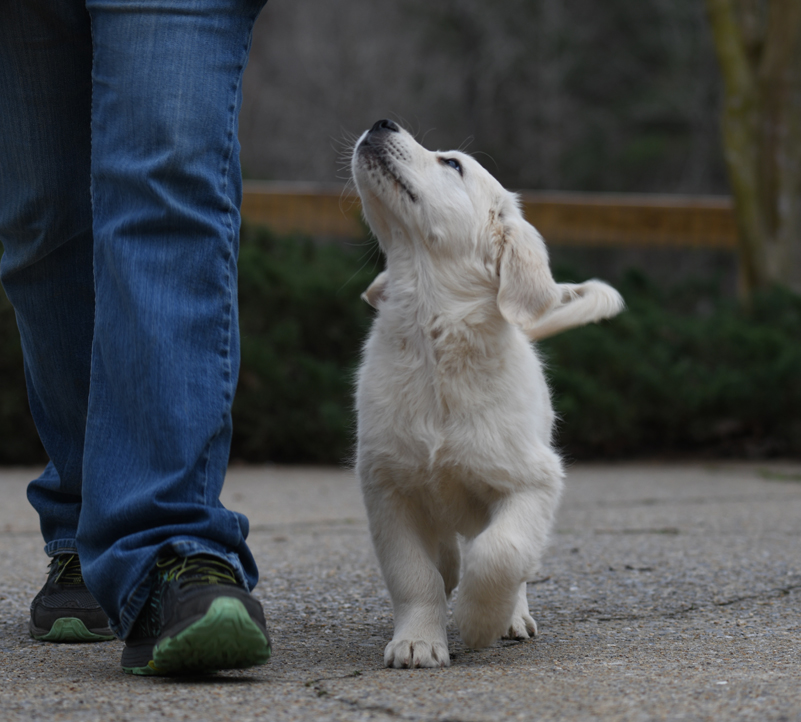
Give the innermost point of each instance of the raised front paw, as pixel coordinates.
(410, 653)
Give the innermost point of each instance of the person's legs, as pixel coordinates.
(46, 232)
(46, 270)
(166, 191)
(139, 470)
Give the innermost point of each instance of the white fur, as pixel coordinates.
(455, 417)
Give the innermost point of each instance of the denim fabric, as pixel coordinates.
(121, 185)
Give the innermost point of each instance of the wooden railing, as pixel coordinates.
(582, 219)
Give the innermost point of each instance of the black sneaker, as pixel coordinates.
(198, 618)
(65, 610)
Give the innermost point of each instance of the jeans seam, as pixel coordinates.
(229, 260)
(229, 221)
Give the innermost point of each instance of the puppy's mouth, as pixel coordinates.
(374, 155)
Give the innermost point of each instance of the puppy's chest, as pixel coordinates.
(448, 370)
(437, 396)
(424, 407)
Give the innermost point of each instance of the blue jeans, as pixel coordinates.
(119, 219)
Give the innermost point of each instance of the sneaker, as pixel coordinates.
(198, 618)
(65, 610)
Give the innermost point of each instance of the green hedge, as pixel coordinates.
(303, 323)
(680, 372)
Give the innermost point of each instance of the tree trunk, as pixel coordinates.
(758, 44)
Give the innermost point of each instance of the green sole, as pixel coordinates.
(225, 638)
(143, 671)
(71, 629)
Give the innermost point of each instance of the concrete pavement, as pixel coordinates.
(669, 593)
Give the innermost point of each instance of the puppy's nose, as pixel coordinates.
(384, 125)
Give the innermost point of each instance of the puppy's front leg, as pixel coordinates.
(492, 601)
(407, 549)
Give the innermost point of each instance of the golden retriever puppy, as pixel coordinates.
(454, 414)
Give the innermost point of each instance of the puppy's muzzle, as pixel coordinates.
(378, 150)
(375, 140)
(382, 127)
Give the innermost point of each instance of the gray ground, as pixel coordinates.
(668, 593)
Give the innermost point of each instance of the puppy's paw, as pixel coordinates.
(478, 627)
(410, 653)
(522, 626)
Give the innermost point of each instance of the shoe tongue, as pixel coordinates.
(70, 571)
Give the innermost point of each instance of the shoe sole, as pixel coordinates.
(70, 630)
(225, 637)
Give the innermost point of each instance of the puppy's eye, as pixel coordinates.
(453, 163)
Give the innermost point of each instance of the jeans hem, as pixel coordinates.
(61, 546)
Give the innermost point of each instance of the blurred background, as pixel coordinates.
(559, 94)
(656, 144)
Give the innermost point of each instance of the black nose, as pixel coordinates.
(384, 125)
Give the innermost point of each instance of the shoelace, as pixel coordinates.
(195, 570)
(186, 570)
(69, 569)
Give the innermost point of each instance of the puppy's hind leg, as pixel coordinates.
(491, 602)
(522, 624)
(407, 550)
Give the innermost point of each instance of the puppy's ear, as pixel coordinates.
(377, 290)
(527, 289)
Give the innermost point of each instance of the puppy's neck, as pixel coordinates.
(438, 305)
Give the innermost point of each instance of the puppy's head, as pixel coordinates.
(445, 211)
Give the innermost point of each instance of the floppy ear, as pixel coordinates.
(527, 289)
(377, 290)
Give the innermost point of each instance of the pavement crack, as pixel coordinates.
(354, 704)
(771, 593)
(673, 501)
(314, 682)
(692, 607)
(634, 617)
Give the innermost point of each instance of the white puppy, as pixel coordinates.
(455, 417)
